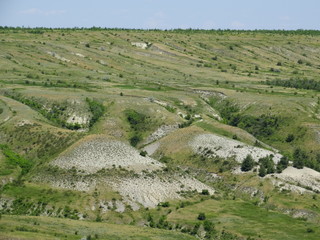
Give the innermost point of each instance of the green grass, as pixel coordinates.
(14, 159)
(244, 218)
(236, 64)
(53, 228)
(214, 129)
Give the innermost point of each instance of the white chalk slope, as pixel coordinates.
(226, 148)
(94, 155)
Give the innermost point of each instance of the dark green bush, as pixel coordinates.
(201, 216)
(15, 159)
(97, 109)
(247, 164)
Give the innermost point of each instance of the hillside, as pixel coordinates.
(178, 134)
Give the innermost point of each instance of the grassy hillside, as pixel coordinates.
(74, 100)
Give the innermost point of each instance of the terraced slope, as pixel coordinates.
(150, 129)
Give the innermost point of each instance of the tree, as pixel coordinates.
(201, 216)
(262, 171)
(205, 192)
(282, 164)
(267, 163)
(290, 138)
(247, 163)
(299, 158)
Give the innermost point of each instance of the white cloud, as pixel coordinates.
(36, 11)
(237, 25)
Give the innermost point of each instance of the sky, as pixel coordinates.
(163, 14)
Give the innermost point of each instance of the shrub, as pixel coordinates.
(299, 158)
(282, 164)
(267, 163)
(247, 163)
(290, 138)
(143, 153)
(164, 204)
(97, 109)
(15, 159)
(201, 216)
(262, 171)
(205, 192)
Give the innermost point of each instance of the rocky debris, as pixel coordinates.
(98, 154)
(300, 213)
(82, 120)
(6, 203)
(150, 191)
(151, 148)
(24, 122)
(306, 178)
(153, 100)
(161, 132)
(284, 186)
(115, 205)
(161, 51)
(181, 114)
(206, 94)
(80, 185)
(80, 55)
(102, 62)
(211, 145)
(141, 45)
(57, 56)
(6, 180)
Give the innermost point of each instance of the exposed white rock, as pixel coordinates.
(83, 185)
(287, 186)
(226, 148)
(141, 45)
(57, 56)
(75, 119)
(161, 132)
(151, 148)
(306, 177)
(149, 191)
(80, 55)
(94, 155)
(24, 122)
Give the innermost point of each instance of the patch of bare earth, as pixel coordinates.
(218, 146)
(97, 154)
(298, 180)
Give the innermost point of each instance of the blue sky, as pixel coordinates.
(163, 14)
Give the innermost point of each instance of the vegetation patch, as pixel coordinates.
(139, 123)
(295, 83)
(16, 160)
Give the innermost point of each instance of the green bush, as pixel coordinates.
(296, 83)
(15, 159)
(290, 138)
(205, 192)
(247, 163)
(201, 216)
(299, 158)
(139, 123)
(282, 164)
(97, 109)
(267, 164)
(262, 126)
(262, 171)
